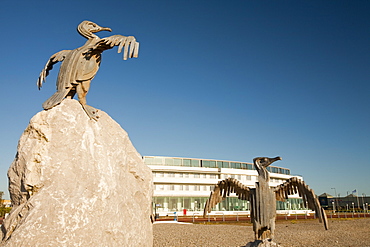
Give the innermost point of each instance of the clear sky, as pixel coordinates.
(214, 79)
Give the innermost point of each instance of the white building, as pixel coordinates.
(185, 183)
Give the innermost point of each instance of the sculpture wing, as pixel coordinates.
(122, 42)
(57, 57)
(223, 189)
(293, 186)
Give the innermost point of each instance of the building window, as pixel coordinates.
(172, 162)
(194, 163)
(157, 161)
(168, 162)
(223, 164)
(186, 162)
(209, 163)
(235, 165)
(177, 162)
(196, 175)
(246, 166)
(206, 188)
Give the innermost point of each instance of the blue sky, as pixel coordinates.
(226, 80)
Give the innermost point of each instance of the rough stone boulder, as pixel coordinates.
(77, 182)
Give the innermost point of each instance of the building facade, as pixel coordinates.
(184, 184)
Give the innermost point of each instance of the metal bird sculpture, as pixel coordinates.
(79, 66)
(263, 198)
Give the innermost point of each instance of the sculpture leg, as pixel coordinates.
(272, 228)
(82, 89)
(71, 93)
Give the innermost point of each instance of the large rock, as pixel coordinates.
(77, 182)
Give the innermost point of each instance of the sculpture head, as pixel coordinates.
(88, 28)
(261, 163)
(264, 161)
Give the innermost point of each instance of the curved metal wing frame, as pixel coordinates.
(122, 42)
(293, 186)
(57, 57)
(222, 190)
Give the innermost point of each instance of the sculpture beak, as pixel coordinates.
(272, 160)
(106, 29)
(99, 29)
(276, 158)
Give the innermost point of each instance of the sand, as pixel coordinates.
(342, 232)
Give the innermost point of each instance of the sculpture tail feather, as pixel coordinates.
(55, 99)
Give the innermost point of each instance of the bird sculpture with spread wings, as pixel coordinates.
(263, 198)
(79, 66)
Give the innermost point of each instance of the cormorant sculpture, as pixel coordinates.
(79, 66)
(263, 198)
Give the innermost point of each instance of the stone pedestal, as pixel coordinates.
(77, 182)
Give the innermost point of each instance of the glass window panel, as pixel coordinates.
(235, 165)
(168, 161)
(205, 163)
(196, 175)
(186, 162)
(194, 163)
(219, 164)
(187, 204)
(225, 165)
(177, 162)
(149, 160)
(158, 161)
(212, 164)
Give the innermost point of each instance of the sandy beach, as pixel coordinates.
(342, 232)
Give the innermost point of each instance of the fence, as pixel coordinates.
(197, 217)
